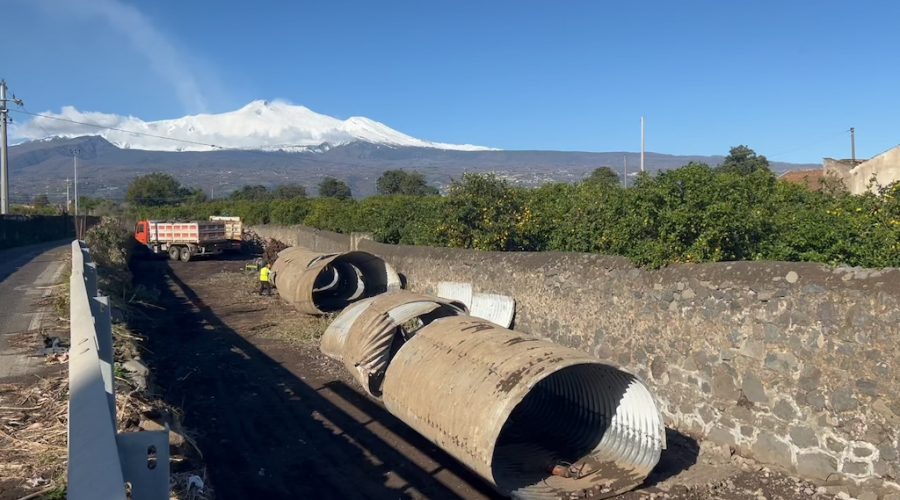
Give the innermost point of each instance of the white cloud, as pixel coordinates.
(165, 57)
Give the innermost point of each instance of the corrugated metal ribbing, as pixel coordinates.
(316, 283)
(367, 334)
(514, 408)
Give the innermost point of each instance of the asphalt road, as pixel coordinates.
(27, 275)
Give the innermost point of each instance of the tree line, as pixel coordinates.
(696, 213)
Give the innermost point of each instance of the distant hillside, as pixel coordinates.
(105, 170)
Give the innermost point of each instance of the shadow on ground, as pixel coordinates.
(680, 454)
(266, 433)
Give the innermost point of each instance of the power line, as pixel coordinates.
(807, 146)
(103, 127)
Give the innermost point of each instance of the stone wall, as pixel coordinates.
(793, 364)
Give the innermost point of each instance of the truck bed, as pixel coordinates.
(187, 232)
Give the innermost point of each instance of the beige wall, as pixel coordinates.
(885, 167)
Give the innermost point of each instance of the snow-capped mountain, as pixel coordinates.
(260, 125)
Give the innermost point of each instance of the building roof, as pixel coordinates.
(812, 178)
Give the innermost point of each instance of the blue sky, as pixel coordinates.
(786, 77)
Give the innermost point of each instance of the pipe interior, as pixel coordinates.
(350, 277)
(572, 421)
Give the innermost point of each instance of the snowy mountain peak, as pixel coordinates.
(259, 125)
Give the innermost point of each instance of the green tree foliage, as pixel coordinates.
(604, 175)
(485, 212)
(333, 214)
(256, 192)
(744, 161)
(290, 191)
(691, 214)
(334, 188)
(402, 182)
(159, 189)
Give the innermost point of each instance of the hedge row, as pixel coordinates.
(691, 214)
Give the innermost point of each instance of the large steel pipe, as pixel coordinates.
(316, 283)
(367, 334)
(536, 419)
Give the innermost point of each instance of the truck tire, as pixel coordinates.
(173, 253)
(186, 254)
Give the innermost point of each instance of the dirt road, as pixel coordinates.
(276, 419)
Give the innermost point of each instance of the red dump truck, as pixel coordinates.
(182, 240)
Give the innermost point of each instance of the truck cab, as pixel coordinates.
(142, 233)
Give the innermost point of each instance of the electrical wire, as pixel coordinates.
(104, 127)
(807, 146)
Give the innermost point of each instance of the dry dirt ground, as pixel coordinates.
(276, 419)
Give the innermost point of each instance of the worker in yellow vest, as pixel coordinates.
(264, 285)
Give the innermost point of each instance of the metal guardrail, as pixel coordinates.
(102, 462)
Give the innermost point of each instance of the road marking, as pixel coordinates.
(36, 319)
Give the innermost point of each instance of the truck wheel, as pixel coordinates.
(173, 253)
(185, 254)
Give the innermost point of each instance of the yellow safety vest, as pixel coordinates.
(264, 274)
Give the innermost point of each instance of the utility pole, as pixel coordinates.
(68, 200)
(4, 157)
(853, 145)
(625, 163)
(643, 144)
(75, 163)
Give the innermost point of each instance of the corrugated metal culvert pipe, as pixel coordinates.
(367, 334)
(317, 283)
(535, 419)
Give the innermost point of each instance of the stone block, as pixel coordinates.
(816, 400)
(842, 400)
(720, 435)
(658, 367)
(834, 445)
(867, 387)
(784, 410)
(769, 449)
(855, 468)
(810, 378)
(781, 362)
(816, 465)
(723, 384)
(753, 389)
(804, 437)
(888, 451)
(754, 349)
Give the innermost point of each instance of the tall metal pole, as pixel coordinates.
(853, 145)
(625, 162)
(643, 144)
(75, 161)
(4, 157)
